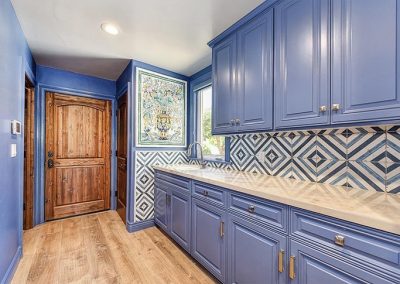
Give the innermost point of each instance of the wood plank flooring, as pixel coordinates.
(97, 248)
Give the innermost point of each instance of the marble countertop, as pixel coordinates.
(365, 207)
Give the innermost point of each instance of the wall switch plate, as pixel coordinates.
(13, 150)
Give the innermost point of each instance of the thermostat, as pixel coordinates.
(15, 127)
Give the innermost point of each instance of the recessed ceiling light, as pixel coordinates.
(109, 28)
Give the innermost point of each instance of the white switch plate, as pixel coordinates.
(13, 150)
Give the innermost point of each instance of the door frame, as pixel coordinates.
(40, 135)
(29, 153)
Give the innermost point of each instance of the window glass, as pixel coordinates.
(213, 146)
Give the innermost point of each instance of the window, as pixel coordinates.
(213, 146)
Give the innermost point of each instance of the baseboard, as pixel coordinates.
(13, 266)
(133, 227)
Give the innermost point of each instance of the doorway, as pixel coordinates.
(122, 156)
(78, 155)
(29, 132)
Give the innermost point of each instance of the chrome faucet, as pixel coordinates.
(189, 153)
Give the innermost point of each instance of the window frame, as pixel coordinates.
(196, 122)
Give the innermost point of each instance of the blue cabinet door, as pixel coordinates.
(365, 60)
(254, 253)
(180, 218)
(224, 77)
(255, 74)
(208, 237)
(313, 266)
(161, 210)
(302, 63)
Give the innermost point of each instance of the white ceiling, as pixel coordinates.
(171, 34)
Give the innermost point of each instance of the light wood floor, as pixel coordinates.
(97, 249)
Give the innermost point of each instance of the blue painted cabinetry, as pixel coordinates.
(365, 60)
(255, 74)
(301, 63)
(172, 207)
(243, 239)
(243, 78)
(224, 80)
(255, 254)
(335, 62)
(208, 233)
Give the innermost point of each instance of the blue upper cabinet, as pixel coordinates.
(224, 81)
(301, 63)
(365, 60)
(255, 74)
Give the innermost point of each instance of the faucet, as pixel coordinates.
(189, 153)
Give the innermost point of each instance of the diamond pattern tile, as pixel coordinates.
(367, 147)
(366, 175)
(332, 172)
(393, 178)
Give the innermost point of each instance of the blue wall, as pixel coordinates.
(15, 60)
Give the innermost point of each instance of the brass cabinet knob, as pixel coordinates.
(339, 240)
(323, 108)
(205, 192)
(232, 122)
(237, 121)
(336, 107)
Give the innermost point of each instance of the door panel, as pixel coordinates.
(365, 60)
(224, 68)
(161, 207)
(78, 155)
(302, 63)
(314, 267)
(255, 74)
(253, 253)
(180, 218)
(208, 245)
(122, 156)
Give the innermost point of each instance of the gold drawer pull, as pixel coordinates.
(251, 208)
(280, 260)
(292, 274)
(339, 240)
(221, 229)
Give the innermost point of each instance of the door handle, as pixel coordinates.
(50, 163)
(292, 273)
(221, 229)
(280, 260)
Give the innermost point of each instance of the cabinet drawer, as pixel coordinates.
(266, 212)
(209, 193)
(172, 181)
(353, 241)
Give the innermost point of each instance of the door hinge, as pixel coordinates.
(24, 206)
(115, 193)
(116, 152)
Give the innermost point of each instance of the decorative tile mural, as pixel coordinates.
(144, 178)
(161, 110)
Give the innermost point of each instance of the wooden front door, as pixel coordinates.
(77, 155)
(121, 156)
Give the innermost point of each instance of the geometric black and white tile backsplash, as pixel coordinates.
(362, 157)
(144, 178)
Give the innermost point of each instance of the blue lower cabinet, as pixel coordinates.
(160, 208)
(312, 266)
(208, 237)
(180, 218)
(255, 255)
